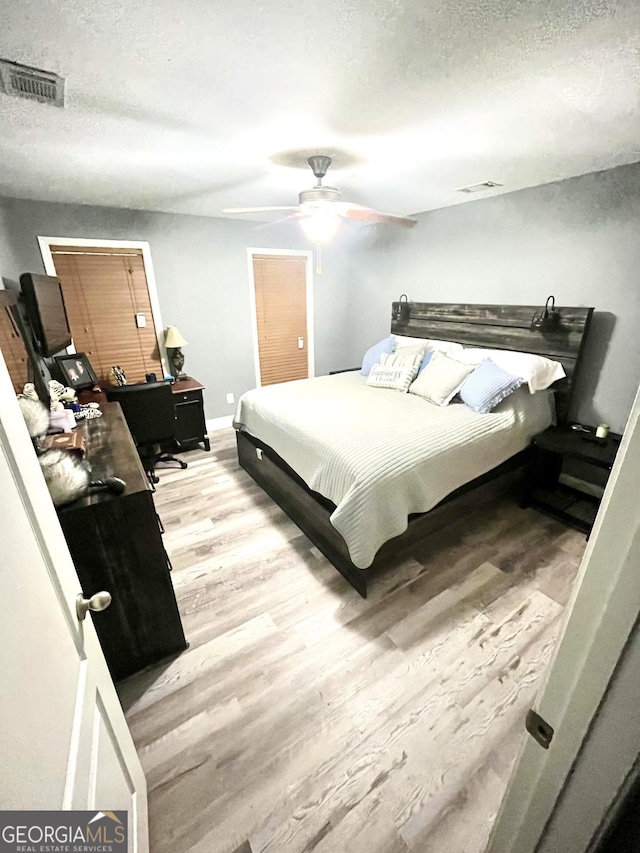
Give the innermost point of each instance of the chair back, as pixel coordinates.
(148, 410)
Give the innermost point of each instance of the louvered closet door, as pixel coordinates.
(103, 290)
(281, 315)
(13, 350)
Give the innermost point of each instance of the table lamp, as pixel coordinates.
(173, 341)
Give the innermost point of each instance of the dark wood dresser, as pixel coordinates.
(116, 545)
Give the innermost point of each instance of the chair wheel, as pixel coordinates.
(182, 464)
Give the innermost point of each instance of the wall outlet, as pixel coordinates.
(230, 399)
(141, 321)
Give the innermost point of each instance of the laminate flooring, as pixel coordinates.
(304, 718)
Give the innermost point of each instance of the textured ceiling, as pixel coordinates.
(195, 106)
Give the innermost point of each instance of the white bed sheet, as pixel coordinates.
(380, 455)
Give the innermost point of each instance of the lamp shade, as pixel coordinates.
(320, 226)
(173, 339)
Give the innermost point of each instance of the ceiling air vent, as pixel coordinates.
(34, 84)
(479, 188)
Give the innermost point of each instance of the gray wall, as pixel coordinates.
(200, 266)
(7, 259)
(578, 239)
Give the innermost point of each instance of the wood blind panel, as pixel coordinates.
(281, 315)
(13, 350)
(103, 293)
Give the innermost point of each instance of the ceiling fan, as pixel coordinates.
(320, 210)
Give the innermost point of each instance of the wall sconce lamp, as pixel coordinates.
(548, 319)
(401, 311)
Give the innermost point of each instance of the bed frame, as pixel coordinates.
(491, 326)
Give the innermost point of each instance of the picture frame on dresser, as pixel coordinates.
(76, 370)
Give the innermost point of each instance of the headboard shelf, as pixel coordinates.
(491, 315)
(503, 327)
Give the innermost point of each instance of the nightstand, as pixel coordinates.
(189, 406)
(544, 489)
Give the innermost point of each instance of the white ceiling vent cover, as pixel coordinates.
(479, 188)
(34, 84)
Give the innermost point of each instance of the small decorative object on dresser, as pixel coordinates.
(174, 342)
(119, 375)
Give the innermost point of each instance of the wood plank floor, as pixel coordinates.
(304, 718)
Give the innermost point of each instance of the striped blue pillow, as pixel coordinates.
(487, 386)
(425, 361)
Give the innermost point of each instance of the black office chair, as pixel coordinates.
(150, 415)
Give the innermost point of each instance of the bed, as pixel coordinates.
(361, 492)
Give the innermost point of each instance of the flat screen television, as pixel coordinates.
(44, 304)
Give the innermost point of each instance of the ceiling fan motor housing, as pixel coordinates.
(317, 194)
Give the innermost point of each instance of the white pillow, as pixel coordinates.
(536, 370)
(405, 341)
(430, 344)
(441, 379)
(390, 377)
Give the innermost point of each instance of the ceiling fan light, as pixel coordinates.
(320, 227)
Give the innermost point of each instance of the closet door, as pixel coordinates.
(280, 283)
(11, 344)
(105, 293)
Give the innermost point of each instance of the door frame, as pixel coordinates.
(297, 253)
(45, 244)
(598, 626)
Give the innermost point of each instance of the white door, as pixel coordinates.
(598, 623)
(64, 742)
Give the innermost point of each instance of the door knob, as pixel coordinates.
(99, 601)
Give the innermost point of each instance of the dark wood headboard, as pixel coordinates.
(503, 327)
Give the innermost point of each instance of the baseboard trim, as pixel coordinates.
(214, 424)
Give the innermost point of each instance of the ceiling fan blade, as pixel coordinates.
(369, 214)
(258, 209)
(277, 221)
(320, 205)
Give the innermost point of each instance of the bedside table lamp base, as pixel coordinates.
(176, 358)
(174, 342)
